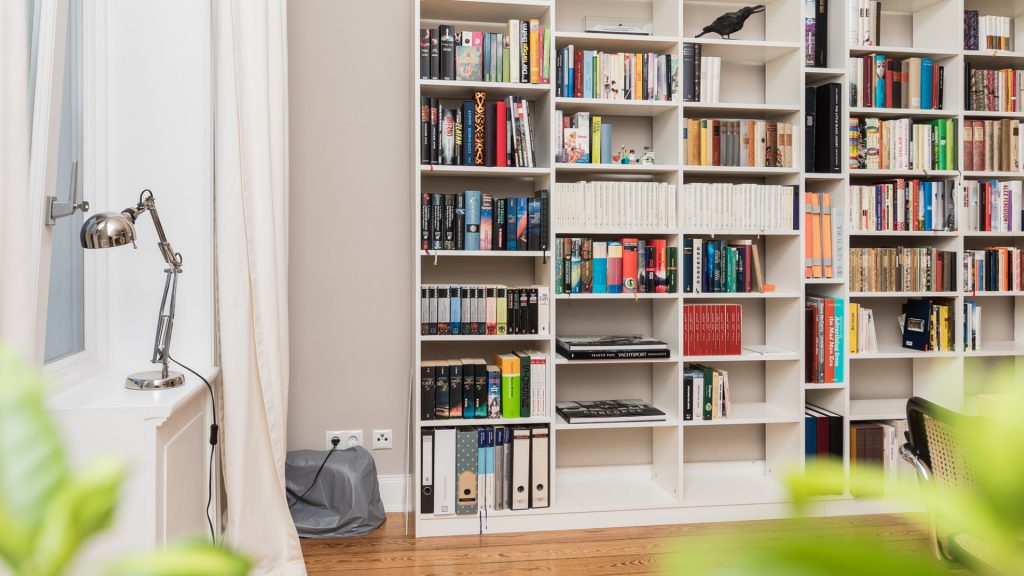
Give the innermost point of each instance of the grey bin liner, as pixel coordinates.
(346, 498)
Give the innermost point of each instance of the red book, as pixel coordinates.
(578, 73)
(499, 133)
(888, 83)
(935, 87)
(868, 81)
(830, 326)
(716, 142)
(660, 266)
(736, 323)
(629, 264)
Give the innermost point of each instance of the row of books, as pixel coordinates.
(902, 144)
(476, 221)
(583, 139)
(744, 143)
(994, 206)
(972, 325)
(880, 82)
(629, 265)
(994, 90)
(995, 269)
(519, 54)
(816, 33)
(717, 266)
(823, 151)
(862, 330)
(823, 433)
(610, 347)
(824, 340)
(474, 469)
(986, 32)
(823, 241)
(615, 205)
(865, 22)
(712, 329)
(472, 310)
(615, 76)
(514, 386)
(903, 205)
(926, 325)
(706, 393)
(739, 207)
(607, 411)
(478, 132)
(993, 145)
(877, 445)
(701, 75)
(902, 269)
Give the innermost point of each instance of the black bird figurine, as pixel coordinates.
(731, 22)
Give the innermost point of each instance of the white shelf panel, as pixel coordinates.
(563, 361)
(824, 280)
(878, 409)
(598, 488)
(903, 173)
(464, 89)
(994, 294)
(741, 295)
(903, 50)
(771, 355)
(739, 171)
(618, 168)
(668, 422)
(904, 294)
(616, 42)
(984, 234)
(828, 386)
(474, 171)
(902, 113)
(713, 233)
(745, 110)
(478, 338)
(744, 50)
(749, 413)
(902, 233)
(994, 57)
(722, 483)
(617, 231)
(896, 352)
(993, 174)
(483, 422)
(823, 73)
(980, 115)
(496, 11)
(606, 107)
(629, 296)
(485, 253)
(822, 177)
(997, 348)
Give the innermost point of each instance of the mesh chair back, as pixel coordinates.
(933, 436)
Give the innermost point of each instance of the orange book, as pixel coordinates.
(629, 264)
(535, 55)
(638, 77)
(826, 233)
(809, 201)
(815, 232)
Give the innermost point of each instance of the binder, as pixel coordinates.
(520, 469)
(835, 430)
(427, 471)
(481, 467)
(465, 470)
(488, 500)
(539, 467)
(444, 471)
(499, 467)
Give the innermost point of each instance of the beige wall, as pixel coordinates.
(350, 76)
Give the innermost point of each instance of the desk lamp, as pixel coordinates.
(111, 229)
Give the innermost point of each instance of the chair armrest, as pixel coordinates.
(908, 454)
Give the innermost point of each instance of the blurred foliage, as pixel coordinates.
(48, 512)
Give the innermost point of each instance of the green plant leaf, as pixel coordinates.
(198, 558)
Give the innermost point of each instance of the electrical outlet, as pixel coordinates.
(349, 438)
(382, 439)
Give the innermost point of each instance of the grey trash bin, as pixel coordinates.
(344, 501)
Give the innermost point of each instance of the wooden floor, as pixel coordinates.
(598, 552)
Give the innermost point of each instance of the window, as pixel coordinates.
(65, 320)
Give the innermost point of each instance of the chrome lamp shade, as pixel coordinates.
(107, 230)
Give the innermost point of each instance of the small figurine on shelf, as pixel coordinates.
(623, 155)
(632, 156)
(648, 156)
(731, 22)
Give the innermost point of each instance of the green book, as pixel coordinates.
(730, 268)
(524, 383)
(510, 385)
(505, 56)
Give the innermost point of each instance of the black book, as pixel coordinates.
(424, 53)
(435, 55)
(460, 222)
(490, 123)
(480, 403)
(827, 138)
(545, 207)
(424, 130)
(821, 34)
(835, 429)
(942, 85)
(810, 126)
(533, 214)
(449, 222)
(559, 63)
(689, 67)
(613, 354)
(498, 231)
(458, 135)
(435, 144)
(446, 61)
(696, 72)
(533, 298)
(602, 411)
(425, 221)
(455, 389)
(437, 221)
(524, 383)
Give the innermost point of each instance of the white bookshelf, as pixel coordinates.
(675, 470)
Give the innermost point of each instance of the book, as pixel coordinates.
(724, 266)
(473, 223)
(517, 310)
(719, 206)
(615, 205)
(877, 81)
(614, 76)
(607, 411)
(712, 329)
(901, 144)
(477, 132)
(768, 144)
(701, 75)
(993, 90)
(902, 269)
(630, 342)
(706, 393)
(618, 273)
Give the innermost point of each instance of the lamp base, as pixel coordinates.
(154, 380)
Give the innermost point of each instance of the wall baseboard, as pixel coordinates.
(392, 487)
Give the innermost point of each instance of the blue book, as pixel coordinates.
(493, 393)
(927, 209)
(810, 435)
(606, 143)
(571, 70)
(467, 133)
(600, 268)
(688, 265)
(473, 200)
(510, 224)
(880, 81)
(840, 311)
(708, 275)
(927, 69)
(533, 227)
(878, 208)
(455, 316)
(588, 73)
(468, 389)
(522, 224)
(487, 57)
(489, 455)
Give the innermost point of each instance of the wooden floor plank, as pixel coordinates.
(599, 552)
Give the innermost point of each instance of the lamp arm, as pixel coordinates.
(148, 204)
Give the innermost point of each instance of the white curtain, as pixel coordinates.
(29, 129)
(251, 190)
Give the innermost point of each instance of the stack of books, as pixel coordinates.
(862, 330)
(611, 347)
(605, 411)
(518, 54)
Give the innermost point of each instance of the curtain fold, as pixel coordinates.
(251, 221)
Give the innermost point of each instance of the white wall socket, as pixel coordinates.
(349, 438)
(382, 439)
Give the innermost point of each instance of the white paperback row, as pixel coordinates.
(739, 207)
(614, 206)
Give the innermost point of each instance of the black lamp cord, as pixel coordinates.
(214, 434)
(334, 446)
